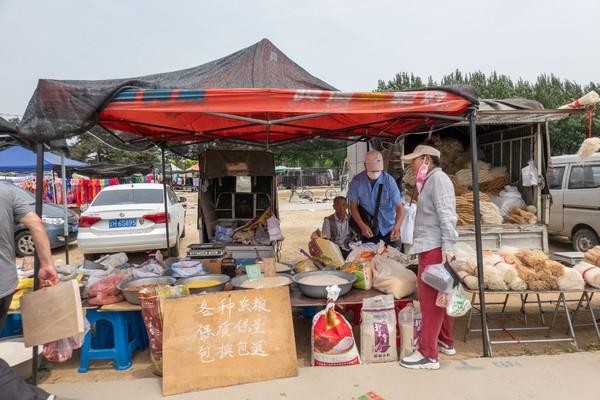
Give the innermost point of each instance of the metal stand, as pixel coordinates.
(39, 188)
(487, 351)
(164, 182)
(561, 306)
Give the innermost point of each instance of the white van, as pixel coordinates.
(575, 189)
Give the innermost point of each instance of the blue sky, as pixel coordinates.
(350, 44)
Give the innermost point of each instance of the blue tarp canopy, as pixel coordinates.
(19, 159)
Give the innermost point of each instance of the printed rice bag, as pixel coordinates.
(378, 330)
(332, 340)
(409, 321)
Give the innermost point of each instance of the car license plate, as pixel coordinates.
(122, 223)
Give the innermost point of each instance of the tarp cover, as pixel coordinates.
(19, 159)
(65, 108)
(112, 170)
(217, 163)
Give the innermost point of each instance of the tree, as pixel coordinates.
(89, 149)
(550, 90)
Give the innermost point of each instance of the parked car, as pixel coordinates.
(575, 189)
(131, 217)
(53, 217)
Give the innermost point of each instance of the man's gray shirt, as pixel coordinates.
(12, 208)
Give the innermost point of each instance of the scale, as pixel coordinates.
(205, 250)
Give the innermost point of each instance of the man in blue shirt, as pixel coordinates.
(363, 191)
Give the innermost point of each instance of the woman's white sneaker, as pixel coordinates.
(445, 349)
(418, 361)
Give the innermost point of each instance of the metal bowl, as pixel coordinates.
(240, 279)
(132, 296)
(223, 279)
(283, 269)
(320, 292)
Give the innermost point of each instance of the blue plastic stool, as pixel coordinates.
(116, 335)
(13, 326)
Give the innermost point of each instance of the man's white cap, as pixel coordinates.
(421, 150)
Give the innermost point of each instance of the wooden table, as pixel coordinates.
(121, 306)
(355, 296)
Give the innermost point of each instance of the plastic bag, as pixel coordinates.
(62, 350)
(149, 269)
(363, 273)
(113, 260)
(392, 277)
(508, 199)
(407, 229)
(529, 174)
(378, 330)
(105, 290)
(274, 228)
(150, 301)
(438, 277)
(409, 321)
(458, 304)
(185, 268)
(332, 340)
(223, 234)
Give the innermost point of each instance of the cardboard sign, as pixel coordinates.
(227, 338)
(52, 313)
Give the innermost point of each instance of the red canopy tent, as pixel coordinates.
(274, 117)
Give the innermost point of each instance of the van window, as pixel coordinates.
(555, 177)
(585, 177)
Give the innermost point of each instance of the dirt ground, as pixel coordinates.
(298, 219)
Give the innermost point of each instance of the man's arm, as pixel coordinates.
(364, 228)
(396, 198)
(42, 245)
(395, 235)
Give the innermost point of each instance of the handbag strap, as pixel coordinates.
(376, 213)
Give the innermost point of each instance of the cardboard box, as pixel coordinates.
(212, 265)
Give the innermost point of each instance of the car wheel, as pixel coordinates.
(584, 239)
(24, 244)
(175, 249)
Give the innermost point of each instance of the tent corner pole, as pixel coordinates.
(39, 187)
(63, 174)
(478, 242)
(164, 182)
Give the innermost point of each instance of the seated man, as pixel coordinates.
(335, 226)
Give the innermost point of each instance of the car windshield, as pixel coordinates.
(129, 196)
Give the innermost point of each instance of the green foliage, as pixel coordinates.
(326, 159)
(89, 149)
(553, 92)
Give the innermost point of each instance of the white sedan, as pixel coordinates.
(131, 217)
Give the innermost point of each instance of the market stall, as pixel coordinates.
(181, 110)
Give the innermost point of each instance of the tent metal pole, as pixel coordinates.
(63, 174)
(39, 187)
(164, 179)
(478, 243)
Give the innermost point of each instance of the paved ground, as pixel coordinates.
(542, 377)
